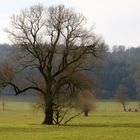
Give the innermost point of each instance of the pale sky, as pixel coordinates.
(118, 21)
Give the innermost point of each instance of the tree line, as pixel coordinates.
(120, 68)
(53, 49)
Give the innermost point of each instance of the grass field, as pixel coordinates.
(108, 122)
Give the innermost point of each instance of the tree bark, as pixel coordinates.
(86, 113)
(48, 115)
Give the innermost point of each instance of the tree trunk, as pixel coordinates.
(124, 108)
(48, 115)
(86, 113)
(57, 117)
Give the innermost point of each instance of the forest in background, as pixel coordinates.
(120, 67)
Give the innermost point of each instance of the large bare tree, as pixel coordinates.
(55, 47)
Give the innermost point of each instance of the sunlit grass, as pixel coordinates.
(108, 122)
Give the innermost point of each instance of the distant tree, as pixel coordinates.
(53, 48)
(136, 77)
(139, 106)
(121, 95)
(2, 99)
(119, 48)
(85, 102)
(3, 104)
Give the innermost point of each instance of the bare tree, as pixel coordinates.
(54, 47)
(3, 102)
(121, 95)
(86, 101)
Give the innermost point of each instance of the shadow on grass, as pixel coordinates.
(41, 128)
(19, 129)
(113, 125)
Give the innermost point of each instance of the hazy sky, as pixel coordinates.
(118, 21)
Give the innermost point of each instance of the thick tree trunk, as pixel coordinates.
(86, 113)
(57, 118)
(48, 115)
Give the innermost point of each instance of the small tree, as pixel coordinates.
(85, 101)
(121, 95)
(3, 104)
(2, 98)
(53, 47)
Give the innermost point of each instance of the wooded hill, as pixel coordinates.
(120, 67)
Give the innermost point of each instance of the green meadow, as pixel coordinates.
(108, 122)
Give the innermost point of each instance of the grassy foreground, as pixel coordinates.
(19, 122)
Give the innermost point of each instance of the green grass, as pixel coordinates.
(108, 122)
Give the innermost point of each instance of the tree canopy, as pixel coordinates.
(54, 47)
